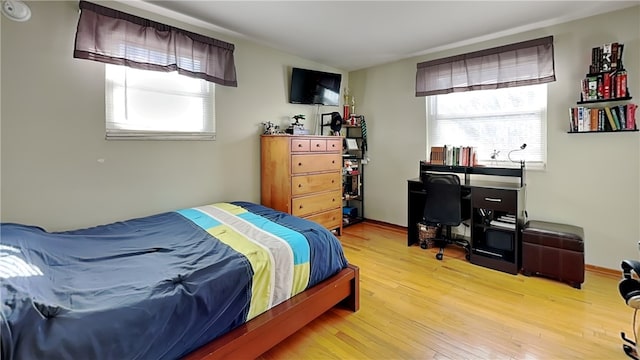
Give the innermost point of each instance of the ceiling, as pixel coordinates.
(352, 35)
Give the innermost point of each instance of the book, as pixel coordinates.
(503, 224)
(631, 116)
(595, 54)
(437, 156)
(612, 122)
(606, 57)
(580, 118)
(619, 60)
(606, 86)
(508, 218)
(614, 113)
(592, 88)
(622, 116)
(594, 119)
(622, 84)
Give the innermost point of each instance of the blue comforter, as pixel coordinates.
(156, 287)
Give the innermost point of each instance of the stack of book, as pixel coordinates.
(504, 222)
(607, 78)
(607, 118)
(453, 155)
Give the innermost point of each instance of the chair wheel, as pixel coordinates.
(423, 245)
(468, 257)
(439, 256)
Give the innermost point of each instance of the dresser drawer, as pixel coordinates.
(495, 199)
(334, 144)
(318, 145)
(298, 145)
(307, 184)
(330, 219)
(307, 205)
(301, 164)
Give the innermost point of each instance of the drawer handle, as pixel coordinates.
(333, 145)
(299, 145)
(299, 164)
(300, 207)
(334, 199)
(493, 199)
(317, 145)
(333, 181)
(299, 185)
(333, 161)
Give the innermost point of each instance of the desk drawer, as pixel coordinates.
(307, 184)
(495, 199)
(301, 164)
(307, 205)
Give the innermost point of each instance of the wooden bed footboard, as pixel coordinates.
(261, 333)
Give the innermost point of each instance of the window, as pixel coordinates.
(144, 104)
(493, 121)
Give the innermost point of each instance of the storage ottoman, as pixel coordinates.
(553, 250)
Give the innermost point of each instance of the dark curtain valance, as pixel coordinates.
(110, 36)
(524, 63)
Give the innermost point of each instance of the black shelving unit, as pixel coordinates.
(355, 198)
(352, 184)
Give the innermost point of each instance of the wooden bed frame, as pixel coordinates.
(261, 333)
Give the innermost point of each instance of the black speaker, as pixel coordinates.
(628, 286)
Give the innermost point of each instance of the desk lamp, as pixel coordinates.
(522, 147)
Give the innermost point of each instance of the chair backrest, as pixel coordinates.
(442, 203)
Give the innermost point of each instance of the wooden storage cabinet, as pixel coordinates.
(302, 176)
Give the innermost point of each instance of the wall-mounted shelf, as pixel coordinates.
(603, 131)
(606, 84)
(626, 98)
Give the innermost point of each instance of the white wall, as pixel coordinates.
(52, 135)
(592, 180)
(52, 120)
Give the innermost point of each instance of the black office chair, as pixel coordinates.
(442, 207)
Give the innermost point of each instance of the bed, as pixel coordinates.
(225, 280)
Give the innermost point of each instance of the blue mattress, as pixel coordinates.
(156, 287)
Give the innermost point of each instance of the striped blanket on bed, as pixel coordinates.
(156, 287)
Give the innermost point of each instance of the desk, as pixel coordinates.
(493, 244)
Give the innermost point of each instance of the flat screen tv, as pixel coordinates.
(314, 87)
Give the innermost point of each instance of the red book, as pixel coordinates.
(623, 84)
(606, 88)
(631, 116)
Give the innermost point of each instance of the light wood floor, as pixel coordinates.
(413, 306)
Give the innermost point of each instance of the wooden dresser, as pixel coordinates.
(302, 175)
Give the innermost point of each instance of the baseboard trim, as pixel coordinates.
(592, 268)
(386, 224)
(603, 270)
